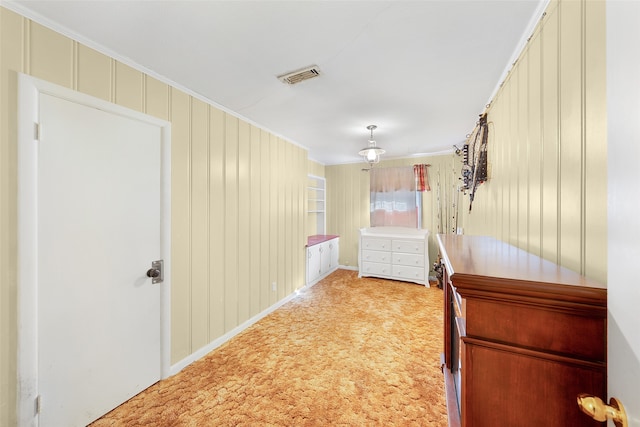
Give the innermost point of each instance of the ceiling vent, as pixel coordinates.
(300, 75)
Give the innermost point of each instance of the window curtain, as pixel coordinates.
(393, 197)
(422, 177)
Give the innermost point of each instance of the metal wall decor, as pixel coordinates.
(474, 166)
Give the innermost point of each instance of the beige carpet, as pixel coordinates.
(347, 352)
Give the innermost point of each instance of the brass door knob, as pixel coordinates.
(599, 411)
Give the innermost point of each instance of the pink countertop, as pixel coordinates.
(319, 238)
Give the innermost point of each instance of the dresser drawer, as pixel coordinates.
(374, 268)
(376, 256)
(376, 244)
(414, 260)
(408, 273)
(409, 246)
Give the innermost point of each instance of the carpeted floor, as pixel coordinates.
(347, 352)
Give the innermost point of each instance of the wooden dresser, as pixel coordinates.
(523, 336)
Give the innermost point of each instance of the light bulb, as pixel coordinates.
(371, 156)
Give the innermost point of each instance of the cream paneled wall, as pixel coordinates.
(548, 147)
(238, 215)
(315, 168)
(348, 201)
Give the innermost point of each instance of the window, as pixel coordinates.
(394, 199)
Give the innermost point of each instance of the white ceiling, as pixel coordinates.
(422, 71)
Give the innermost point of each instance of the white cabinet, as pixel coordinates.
(322, 256)
(394, 253)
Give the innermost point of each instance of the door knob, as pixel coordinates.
(599, 411)
(153, 272)
(156, 272)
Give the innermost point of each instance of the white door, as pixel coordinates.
(96, 221)
(623, 139)
(98, 232)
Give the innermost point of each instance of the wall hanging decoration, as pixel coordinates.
(474, 166)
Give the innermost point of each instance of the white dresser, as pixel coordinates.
(396, 253)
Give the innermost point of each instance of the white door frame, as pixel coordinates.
(29, 90)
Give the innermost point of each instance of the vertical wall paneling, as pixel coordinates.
(548, 147)
(595, 127)
(180, 226)
(281, 282)
(128, 87)
(283, 226)
(302, 207)
(217, 210)
(500, 179)
(199, 224)
(244, 238)
(494, 197)
(534, 135)
(513, 150)
(550, 135)
(314, 168)
(571, 134)
(12, 59)
(500, 175)
(265, 219)
(50, 56)
(94, 73)
(289, 200)
(156, 98)
(300, 235)
(273, 219)
(363, 205)
(300, 238)
(522, 136)
(231, 222)
(349, 196)
(255, 209)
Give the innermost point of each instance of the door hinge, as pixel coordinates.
(36, 131)
(38, 404)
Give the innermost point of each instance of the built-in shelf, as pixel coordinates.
(316, 205)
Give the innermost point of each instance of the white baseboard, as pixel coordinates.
(235, 331)
(226, 337)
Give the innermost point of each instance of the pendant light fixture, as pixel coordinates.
(371, 153)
